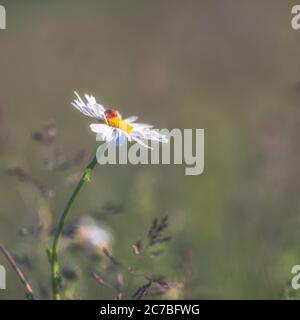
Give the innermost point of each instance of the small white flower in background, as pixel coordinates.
(91, 235)
(115, 128)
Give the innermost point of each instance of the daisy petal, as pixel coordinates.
(141, 143)
(99, 128)
(104, 132)
(120, 138)
(141, 126)
(126, 134)
(90, 108)
(153, 135)
(131, 119)
(109, 134)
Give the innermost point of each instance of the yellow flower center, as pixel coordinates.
(117, 122)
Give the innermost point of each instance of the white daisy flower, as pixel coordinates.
(115, 128)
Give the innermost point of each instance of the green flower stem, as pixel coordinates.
(53, 254)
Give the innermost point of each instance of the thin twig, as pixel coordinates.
(18, 271)
(111, 257)
(155, 235)
(102, 282)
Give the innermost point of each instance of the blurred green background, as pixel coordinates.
(230, 67)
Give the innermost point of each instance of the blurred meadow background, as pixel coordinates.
(230, 67)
